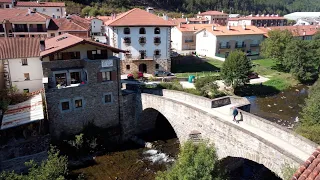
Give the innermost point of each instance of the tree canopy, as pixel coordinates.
(236, 69)
(195, 162)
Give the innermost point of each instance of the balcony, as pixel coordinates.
(37, 30)
(20, 30)
(188, 41)
(240, 45)
(225, 47)
(254, 45)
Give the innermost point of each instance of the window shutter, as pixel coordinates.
(104, 53)
(89, 54)
(99, 77)
(114, 75)
(66, 56)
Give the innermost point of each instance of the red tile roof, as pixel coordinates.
(310, 169)
(211, 13)
(39, 4)
(21, 15)
(12, 48)
(71, 24)
(138, 17)
(194, 27)
(66, 40)
(234, 30)
(5, 1)
(257, 18)
(308, 30)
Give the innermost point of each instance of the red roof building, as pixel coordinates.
(303, 32)
(310, 170)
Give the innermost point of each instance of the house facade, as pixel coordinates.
(214, 17)
(52, 9)
(218, 42)
(146, 38)
(303, 32)
(258, 20)
(5, 4)
(82, 82)
(21, 64)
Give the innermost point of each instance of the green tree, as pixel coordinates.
(207, 86)
(195, 162)
(275, 46)
(316, 36)
(235, 69)
(298, 57)
(85, 11)
(54, 168)
(309, 125)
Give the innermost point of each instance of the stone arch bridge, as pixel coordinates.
(253, 138)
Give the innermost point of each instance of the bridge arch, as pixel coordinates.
(229, 139)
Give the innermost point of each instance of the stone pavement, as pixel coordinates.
(224, 113)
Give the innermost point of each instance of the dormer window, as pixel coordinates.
(157, 40)
(126, 30)
(127, 40)
(142, 40)
(156, 30)
(142, 31)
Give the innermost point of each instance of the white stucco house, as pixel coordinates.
(52, 9)
(214, 17)
(97, 30)
(146, 38)
(218, 41)
(22, 67)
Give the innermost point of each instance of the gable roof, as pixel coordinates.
(308, 30)
(138, 17)
(19, 47)
(233, 30)
(39, 4)
(21, 15)
(257, 18)
(65, 24)
(210, 13)
(309, 170)
(66, 40)
(5, 1)
(194, 27)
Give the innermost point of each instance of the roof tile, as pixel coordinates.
(212, 13)
(310, 169)
(40, 4)
(21, 15)
(11, 48)
(234, 30)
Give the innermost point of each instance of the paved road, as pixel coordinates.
(224, 114)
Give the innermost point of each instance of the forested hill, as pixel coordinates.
(194, 6)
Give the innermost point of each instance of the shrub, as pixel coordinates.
(208, 87)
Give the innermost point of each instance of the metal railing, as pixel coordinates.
(225, 47)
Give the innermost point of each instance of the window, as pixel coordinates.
(157, 40)
(58, 10)
(107, 98)
(157, 52)
(61, 79)
(65, 105)
(44, 9)
(26, 76)
(127, 40)
(7, 6)
(106, 76)
(126, 30)
(75, 77)
(142, 40)
(26, 90)
(58, 16)
(156, 30)
(128, 67)
(52, 35)
(24, 62)
(157, 66)
(78, 103)
(142, 54)
(142, 31)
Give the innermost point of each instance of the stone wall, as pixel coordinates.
(164, 64)
(94, 109)
(229, 139)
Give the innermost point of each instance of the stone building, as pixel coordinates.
(82, 84)
(146, 38)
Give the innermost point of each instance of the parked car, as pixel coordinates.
(130, 76)
(162, 73)
(174, 54)
(253, 75)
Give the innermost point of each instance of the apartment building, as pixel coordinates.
(214, 17)
(218, 41)
(258, 20)
(21, 64)
(72, 24)
(146, 38)
(300, 32)
(82, 82)
(183, 36)
(52, 9)
(23, 23)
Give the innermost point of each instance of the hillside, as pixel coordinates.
(194, 6)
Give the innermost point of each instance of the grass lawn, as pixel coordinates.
(210, 67)
(278, 80)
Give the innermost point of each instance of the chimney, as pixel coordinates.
(222, 11)
(165, 17)
(150, 10)
(179, 25)
(304, 33)
(182, 16)
(213, 28)
(244, 26)
(37, 2)
(187, 20)
(194, 28)
(29, 11)
(228, 27)
(42, 45)
(199, 12)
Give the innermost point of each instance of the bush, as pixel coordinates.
(175, 85)
(195, 161)
(207, 87)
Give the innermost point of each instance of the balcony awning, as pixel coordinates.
(26, 112)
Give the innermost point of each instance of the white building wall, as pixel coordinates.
(58, 12)
(233, 23)
(256, 39)
(206, 44)
(176, 38)
(149, 46)
(96, 25)
(34, 68)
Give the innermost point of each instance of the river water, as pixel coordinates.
(282, 108)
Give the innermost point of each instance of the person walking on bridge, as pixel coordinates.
(235, 113)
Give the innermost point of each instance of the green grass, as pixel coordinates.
(210, 67)
(278, 80)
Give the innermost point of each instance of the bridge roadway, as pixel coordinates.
(224, 113)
